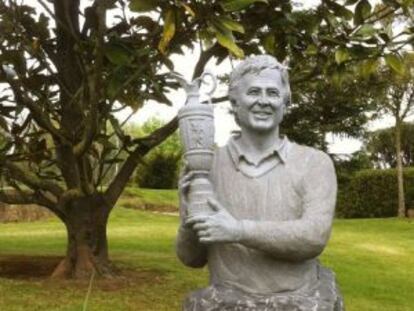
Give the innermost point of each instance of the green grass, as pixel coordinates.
(373, 260)
(150, 199)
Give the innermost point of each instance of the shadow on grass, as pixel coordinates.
(40, 268)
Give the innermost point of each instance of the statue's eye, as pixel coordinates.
(273, 93)
(253, 92)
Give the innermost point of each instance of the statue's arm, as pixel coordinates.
(189, 250)
(306, 237)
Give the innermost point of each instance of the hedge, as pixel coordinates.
(374, 193)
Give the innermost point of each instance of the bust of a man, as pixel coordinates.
(273, 205)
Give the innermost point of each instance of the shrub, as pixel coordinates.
(374, 193)
(160, 171)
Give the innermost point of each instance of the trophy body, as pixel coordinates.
(196, 123)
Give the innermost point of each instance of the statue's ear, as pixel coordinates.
(233, 102)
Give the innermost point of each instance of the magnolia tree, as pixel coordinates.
(68, 66)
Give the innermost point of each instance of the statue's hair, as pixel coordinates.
(254, 65)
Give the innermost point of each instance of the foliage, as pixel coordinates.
(346, 167)
(320, 107)
(381, 146)
(373, 193)
(371, 259)
(160, 168)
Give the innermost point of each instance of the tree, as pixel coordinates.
(397, 100)
(381, 146)
(66, 72)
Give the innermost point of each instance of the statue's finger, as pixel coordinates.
(215, 205)
(195, 219)
(203, 233)
(201, 226)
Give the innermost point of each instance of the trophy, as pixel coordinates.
(196, 122)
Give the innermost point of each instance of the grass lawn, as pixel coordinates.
(373, 260)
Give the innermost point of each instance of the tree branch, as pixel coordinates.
(26, 198)
(38, 115)
(95, 85)
(31, 180)
(205, 56)
(145, 144)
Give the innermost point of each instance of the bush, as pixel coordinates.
(160, 171)
(160, 168)
(374, 193)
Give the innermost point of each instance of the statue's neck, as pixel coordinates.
(253, 142)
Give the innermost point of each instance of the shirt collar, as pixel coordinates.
(279, 149)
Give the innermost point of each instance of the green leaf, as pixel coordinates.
(168, 31)
(341, 55)
(226, 39)
(3, 124)
(143, 5)
(351, 2)
(366, 30)
(311, 50)
(362, 11)
(339, 10)
(395, 62)
(237, 5)
(368, 67)
(228, 23)
(188, 9)
(118, 54)
(269, 43)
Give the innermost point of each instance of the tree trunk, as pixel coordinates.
(400, 177)
(87, 248)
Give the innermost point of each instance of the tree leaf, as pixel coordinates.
(226, 39)
(311, 50)
(269, 43)
(395, 62)
(237, 5)
(362, 11)
(118, 54)
(3, 124)
(227, 23)
(143, 5)
(350, 2)
(188, 9)
(169, 30)
(339, 10)
(366, 30)
(341, 55)
(368, 67)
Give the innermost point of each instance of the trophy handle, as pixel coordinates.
(213, 78)
(192, 88)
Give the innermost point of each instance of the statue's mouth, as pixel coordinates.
(262, 113)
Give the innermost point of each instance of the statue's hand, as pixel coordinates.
(218, 227)
(183, 188)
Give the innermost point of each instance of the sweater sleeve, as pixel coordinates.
(306, 237)
(188, 248)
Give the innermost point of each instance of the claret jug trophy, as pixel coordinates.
(196, 123)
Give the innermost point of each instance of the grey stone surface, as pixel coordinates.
(324, 297)
(270, 208)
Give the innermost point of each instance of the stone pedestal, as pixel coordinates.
(325, 296)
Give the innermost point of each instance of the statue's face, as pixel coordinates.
(259, 103)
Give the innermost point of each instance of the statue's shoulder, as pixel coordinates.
(307, 156)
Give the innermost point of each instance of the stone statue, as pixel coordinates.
(271, 208)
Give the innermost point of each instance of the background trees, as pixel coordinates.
(69, 67)
(380, 144)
